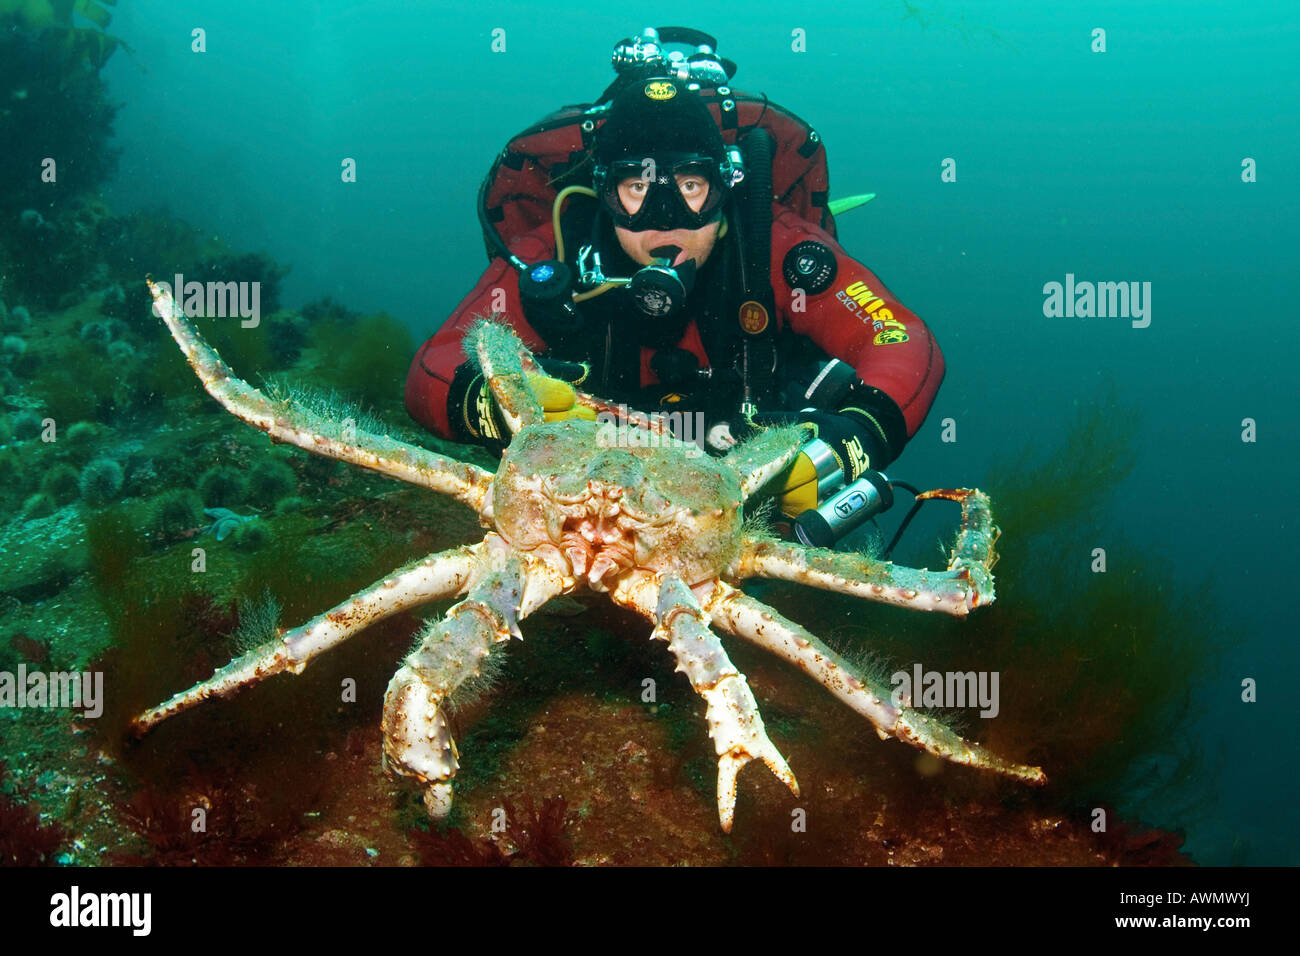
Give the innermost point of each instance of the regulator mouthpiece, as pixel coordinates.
(660, 288)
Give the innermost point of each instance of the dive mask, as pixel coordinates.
(675, 191)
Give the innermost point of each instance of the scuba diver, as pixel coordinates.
(729, 306)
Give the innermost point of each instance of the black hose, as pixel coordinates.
(907, 519)
(490, 232)
(757, 202)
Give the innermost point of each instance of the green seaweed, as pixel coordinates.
(1098, 670)
(367, 359)
(1112, 659)
(54, 105)
(80, 385)
(957, 23)
(247, 350)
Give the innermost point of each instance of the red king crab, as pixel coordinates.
(657, 527)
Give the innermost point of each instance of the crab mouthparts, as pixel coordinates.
(598, 539)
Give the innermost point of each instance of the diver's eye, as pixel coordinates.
(694, 189)
(631, 193)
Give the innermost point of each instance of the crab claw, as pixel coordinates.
(437, 799)
(731, 711)
(729, 765)
(737, 731)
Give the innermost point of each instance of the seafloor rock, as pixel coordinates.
(39, 557)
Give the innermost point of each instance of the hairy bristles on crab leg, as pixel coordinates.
(766, 455)
(500, 358)
(429, 579)
(738, 614)
(285, 421)
(417, 738)
(965, 585)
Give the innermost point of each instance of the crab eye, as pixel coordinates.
(655, 504)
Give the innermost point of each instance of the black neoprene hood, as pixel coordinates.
(657, 116)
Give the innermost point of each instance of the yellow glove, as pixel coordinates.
(800, 491)
(558, 399)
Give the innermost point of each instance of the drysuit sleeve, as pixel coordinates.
(834, 300)
(439, 376)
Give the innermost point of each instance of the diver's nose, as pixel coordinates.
(659, 212)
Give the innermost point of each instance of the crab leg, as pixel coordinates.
(766, 455)
(417, 738)
(527, 363)
(754, 621)
(731, 711)
(294, 424)
(436, 576)
(500, 357)
(966, 584)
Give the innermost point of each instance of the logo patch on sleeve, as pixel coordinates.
(810, 266)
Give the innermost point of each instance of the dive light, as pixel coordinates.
(842, 508)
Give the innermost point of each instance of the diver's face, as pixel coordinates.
(695, 244)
